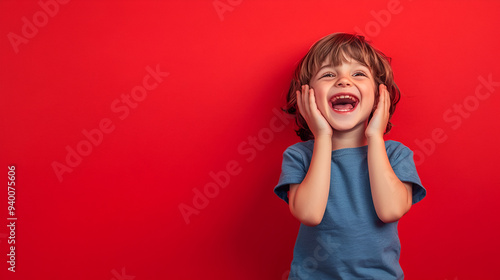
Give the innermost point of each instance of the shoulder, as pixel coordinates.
(299, 152)
(397, 151)
(301, 147)
(395, 147)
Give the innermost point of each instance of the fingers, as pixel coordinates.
(378, 123)
(381, 95)
(299, 101)
(309, 97)
(387, 99)
(384, 102)
(305, 101)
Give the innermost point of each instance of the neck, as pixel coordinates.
(349, 139)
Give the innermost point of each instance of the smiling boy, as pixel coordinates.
(345, 184)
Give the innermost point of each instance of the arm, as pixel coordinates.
(307, 200)
(391, 197)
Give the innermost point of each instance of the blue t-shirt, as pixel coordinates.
(351, 242)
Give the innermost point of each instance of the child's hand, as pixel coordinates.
(317, 123)
(378, 123)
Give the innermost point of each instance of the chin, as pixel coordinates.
(348, 127)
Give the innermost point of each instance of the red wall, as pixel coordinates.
(117, 114)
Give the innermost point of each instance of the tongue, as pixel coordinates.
(343, 106)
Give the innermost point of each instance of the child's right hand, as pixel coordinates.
(308, 108)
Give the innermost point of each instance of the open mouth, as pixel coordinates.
(344, 102)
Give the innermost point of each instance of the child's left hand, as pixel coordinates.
(378, 123)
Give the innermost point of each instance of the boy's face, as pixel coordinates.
(345, 94)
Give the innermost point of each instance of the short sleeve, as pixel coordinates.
(402, 163)
(293, 171)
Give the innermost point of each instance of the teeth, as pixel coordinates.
(344, 97)
(343, 110)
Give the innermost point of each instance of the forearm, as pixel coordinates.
(308, 200)
(391, 198)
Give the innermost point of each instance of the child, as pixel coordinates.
(345, 184)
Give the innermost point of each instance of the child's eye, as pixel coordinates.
(359, 74)
(328, 75)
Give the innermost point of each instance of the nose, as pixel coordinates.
(343, 82)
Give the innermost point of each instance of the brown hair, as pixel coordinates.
(337, 48)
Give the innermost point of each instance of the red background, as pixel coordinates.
(116, 215)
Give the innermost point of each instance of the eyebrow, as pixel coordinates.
(332, 66)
